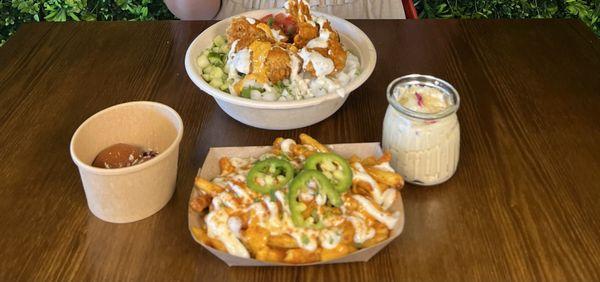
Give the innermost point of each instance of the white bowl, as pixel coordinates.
(286, 114)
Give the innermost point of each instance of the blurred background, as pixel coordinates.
(15, 12)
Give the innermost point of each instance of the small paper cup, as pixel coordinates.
(132, 193)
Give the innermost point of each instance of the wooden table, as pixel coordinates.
(523, 204)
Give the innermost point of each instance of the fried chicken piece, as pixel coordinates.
(240, 29)
(333, 34)
(306, 32)
(334, 50)
(299, 10)
(337, 54)
(278, 64)
(283, 37)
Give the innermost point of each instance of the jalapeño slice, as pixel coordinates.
(269, 175)
(334, 167)
(300, 184)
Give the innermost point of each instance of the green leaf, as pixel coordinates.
(73, 16)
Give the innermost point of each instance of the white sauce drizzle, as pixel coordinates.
(306, 238)
(307, 196)
(320, 200)
(286, 145)
(321, 40)
(385, 166)
(217, 227)
(330, 238)
(277, 35)
(240, 162)
(224, 199)
(274, 220)
(362, 232)
(322, 65)
(240, 192)
(389, 196)
(241, 61)
(235, 225)
(362, 175)
(388, 220)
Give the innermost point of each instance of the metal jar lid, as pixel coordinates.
(423, 80)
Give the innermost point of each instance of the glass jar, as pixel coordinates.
(424, 146)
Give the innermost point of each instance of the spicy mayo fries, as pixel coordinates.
(299, 203)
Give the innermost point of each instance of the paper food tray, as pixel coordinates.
(210, 169)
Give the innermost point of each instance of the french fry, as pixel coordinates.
(361, 188)
(307, 140)
(283, 241)
(300, 150)
(381, 233)
(350, 203)
(370, 161)
(301, 256)
(256, 238)
(339, 251)
(310, 206)
(347, 233)
(201, 202)
(207, 186)
(386, 157)
(269, 254)
(226, 166)
(386, 177)
(277, 143)
(354, 159)
(243, 216)
(217, 244)
(200, 234)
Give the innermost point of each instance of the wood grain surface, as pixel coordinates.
(522, 206)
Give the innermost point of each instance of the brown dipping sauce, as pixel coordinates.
(122, 155)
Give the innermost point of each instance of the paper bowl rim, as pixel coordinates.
(135, 168)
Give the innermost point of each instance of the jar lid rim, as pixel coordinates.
(429, 81)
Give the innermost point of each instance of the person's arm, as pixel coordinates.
(194, 9)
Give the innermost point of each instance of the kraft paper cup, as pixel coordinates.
(132, 193)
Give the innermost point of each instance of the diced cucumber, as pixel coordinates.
(205, 52)
(206, 77)
(216, 49)
(217, 73)
(203, 61)
(208, 69)
(215, 59)
(219, 40)
(246, 92)
(224, 49)
(224, 87)
(216, 83)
